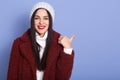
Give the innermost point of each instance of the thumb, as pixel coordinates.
(72, 37)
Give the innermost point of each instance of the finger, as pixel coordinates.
(60, 37)
(59, 41)
(72, 37)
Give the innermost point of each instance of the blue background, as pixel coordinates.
(96, 24)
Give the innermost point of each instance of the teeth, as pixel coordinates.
(40, 27)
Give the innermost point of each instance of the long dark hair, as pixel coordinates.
(40, 63)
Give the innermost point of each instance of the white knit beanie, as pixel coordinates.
(44, 5)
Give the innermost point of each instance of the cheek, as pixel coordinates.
(35, 22)
(48, 23)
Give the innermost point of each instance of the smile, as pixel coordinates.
(41, 27)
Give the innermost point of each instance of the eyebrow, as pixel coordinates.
(36, 15)
(39, 16)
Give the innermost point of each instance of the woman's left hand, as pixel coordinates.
(65, 41)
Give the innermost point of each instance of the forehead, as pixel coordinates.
(41, 12)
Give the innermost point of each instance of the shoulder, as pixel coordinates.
(25, 37)
(56, 34)
(55, 37)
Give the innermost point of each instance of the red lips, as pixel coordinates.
(41, 27)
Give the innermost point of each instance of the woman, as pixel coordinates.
(41, 53)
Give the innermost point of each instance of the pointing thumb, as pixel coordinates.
(72, 37)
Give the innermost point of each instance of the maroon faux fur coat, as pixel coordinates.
(22, 62)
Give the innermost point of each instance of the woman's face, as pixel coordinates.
(41, 21)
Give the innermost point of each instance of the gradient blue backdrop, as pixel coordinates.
(96, 24)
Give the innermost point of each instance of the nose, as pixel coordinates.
(40, 21)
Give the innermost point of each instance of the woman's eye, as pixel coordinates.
(46, 18)
(36, 18)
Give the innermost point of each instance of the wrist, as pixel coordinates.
(68, 50)
(68, 46)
